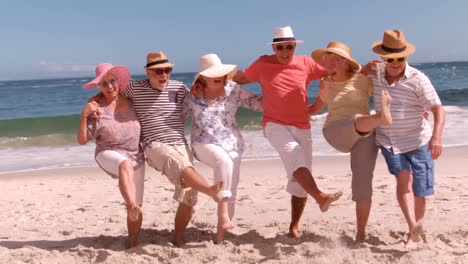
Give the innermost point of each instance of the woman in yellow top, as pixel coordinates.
(349, 127)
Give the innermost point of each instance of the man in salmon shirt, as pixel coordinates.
(284, 79)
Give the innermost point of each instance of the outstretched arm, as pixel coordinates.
(240, 78)
(435, 144)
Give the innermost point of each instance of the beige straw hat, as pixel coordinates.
(338, 48)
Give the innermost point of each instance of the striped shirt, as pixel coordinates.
(412, 95)
(159, 111)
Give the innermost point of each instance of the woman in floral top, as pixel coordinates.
(216, 138)
(112, 122)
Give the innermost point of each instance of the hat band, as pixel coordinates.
(392, 49)
(156, 63)
(283, 39)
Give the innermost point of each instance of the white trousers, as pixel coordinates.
(226, 167)
(294, 147)
(110, 160)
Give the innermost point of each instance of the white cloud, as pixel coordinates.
(55, 67)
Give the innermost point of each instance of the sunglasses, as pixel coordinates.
(106, 84)
(281, 47)
(390, 60)
(161, 71)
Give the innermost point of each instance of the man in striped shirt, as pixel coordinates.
(409, 145)
(158, 104)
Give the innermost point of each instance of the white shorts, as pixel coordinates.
(294, 147)
(110, 160)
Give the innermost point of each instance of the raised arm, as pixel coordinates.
(82, 135)
(435, 144)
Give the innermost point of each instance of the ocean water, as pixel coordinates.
(38, 119)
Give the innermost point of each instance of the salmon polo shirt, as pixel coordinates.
(284, 88)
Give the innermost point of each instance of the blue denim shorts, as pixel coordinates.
(419, 162)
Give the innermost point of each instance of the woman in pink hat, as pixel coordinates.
(113, 124)
(349, 126)
(216, 139)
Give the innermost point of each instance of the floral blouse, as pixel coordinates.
(214, 121)
(118, 132)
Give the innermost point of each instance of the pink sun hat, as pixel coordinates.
(120, 72)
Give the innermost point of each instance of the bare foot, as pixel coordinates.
(330, 198)
(178, 243)
(294, 231)
(213, 191)
(224, 223)
(133, 213)
(385, 115)
(414, 236)
(360, 237)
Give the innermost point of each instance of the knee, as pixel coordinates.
(125, 167)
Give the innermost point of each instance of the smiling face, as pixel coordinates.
(284, 51)
(396, 68)
(214, 84)
(334, 63)
(159, 77)
(109, 86)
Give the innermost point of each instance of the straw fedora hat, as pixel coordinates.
(157, 60)
(211, 66)
(120, 72)
(338, 48)
(284, 34)
(393, 44)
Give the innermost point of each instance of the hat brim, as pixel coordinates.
(163, 65)
(377, 48)
(317, 56)
(120, 72)
(298, 41)
(218, 71)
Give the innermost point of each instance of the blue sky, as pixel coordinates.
(48, 39)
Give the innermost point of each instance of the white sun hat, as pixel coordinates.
(211, 66)
(284, 34)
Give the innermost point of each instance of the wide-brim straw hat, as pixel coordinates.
(157, 60)
(393, 45)
(284, 34)
(121, 73)
(211, 66)
(338, 48)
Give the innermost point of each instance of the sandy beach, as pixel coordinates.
(76, 215)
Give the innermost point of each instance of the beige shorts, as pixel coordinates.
(171, 160)
(342, 134)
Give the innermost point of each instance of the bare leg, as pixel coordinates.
(134, 228)
(192, 179)
(420, 211)
(297, 207)
(362, 215)
(127, 189)
(405, 198)
(224, 221)
(420, 207)
(367, 123)
(182, 218)
(306, 180)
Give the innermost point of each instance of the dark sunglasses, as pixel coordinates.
(390, 60)
(281, 47)
(161, 71)
(106, 84)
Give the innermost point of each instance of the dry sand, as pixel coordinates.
(76, 215)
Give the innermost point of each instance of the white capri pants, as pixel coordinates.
(226, 167)
(294, 147)
(110, 160)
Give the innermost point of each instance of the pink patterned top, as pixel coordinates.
(118, 132)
